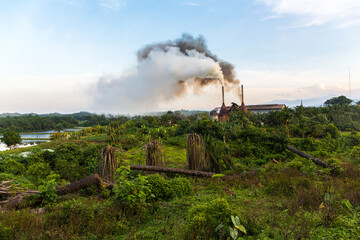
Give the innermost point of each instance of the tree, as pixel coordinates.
(341, 100)
(11, 138)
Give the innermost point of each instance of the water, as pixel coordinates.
(24, 143)
(41, 136)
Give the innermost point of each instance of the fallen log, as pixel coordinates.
(81, 184)
(14, 199)
(172, 170)
(305, 155)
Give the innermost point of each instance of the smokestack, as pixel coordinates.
(242, 94)
(223, 114)
(243, 106)
(223, 95)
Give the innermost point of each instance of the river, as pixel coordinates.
(36, 138)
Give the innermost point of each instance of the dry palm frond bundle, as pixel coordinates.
(154, 153)
(107, 163)
(195, 147)
(11, 195)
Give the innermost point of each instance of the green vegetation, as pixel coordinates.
(341, 100)
(11, 138)
(261, 190)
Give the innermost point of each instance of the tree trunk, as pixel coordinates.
(81, 184)
(305, 155)
(172, 170)
(154, 153)
(107, 163)
(195, 152)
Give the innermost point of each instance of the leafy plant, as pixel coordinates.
(135, 193)
(329, 208)
(234, 232)
(48, 192)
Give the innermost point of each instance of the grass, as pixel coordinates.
(167, 222)
(344, 134)
(174, 153)
(174, 156)
(135, 155)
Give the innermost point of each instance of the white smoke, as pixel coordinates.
(162, 76)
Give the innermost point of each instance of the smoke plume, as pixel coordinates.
(164, 71)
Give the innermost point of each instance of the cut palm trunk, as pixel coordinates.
(107, 163)
(195, 147)
(154, 153)
(81, 184)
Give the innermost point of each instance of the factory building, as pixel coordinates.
(222, 113)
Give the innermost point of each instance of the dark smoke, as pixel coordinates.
(188, 43)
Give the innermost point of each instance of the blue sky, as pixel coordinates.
(53, 53)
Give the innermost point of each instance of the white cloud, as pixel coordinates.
(317, 12)
(114, 5)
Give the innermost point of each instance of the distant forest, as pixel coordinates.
(300, 121)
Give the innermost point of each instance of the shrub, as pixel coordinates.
(69, 151)
(308, 166)
(355, 154)
(168, 189)
(280, 184)
(296, 163)
(135, 193)
(5, 232)
(105, 193)
(180, 186)
(128, 141)
(48, 192)
(305, 144)
(37, 172)
(160, 187)
(14, 167)
(335, 166)
(70, 170)
(332, 130)
(204, 218)
(89, 157)
(11, 138)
